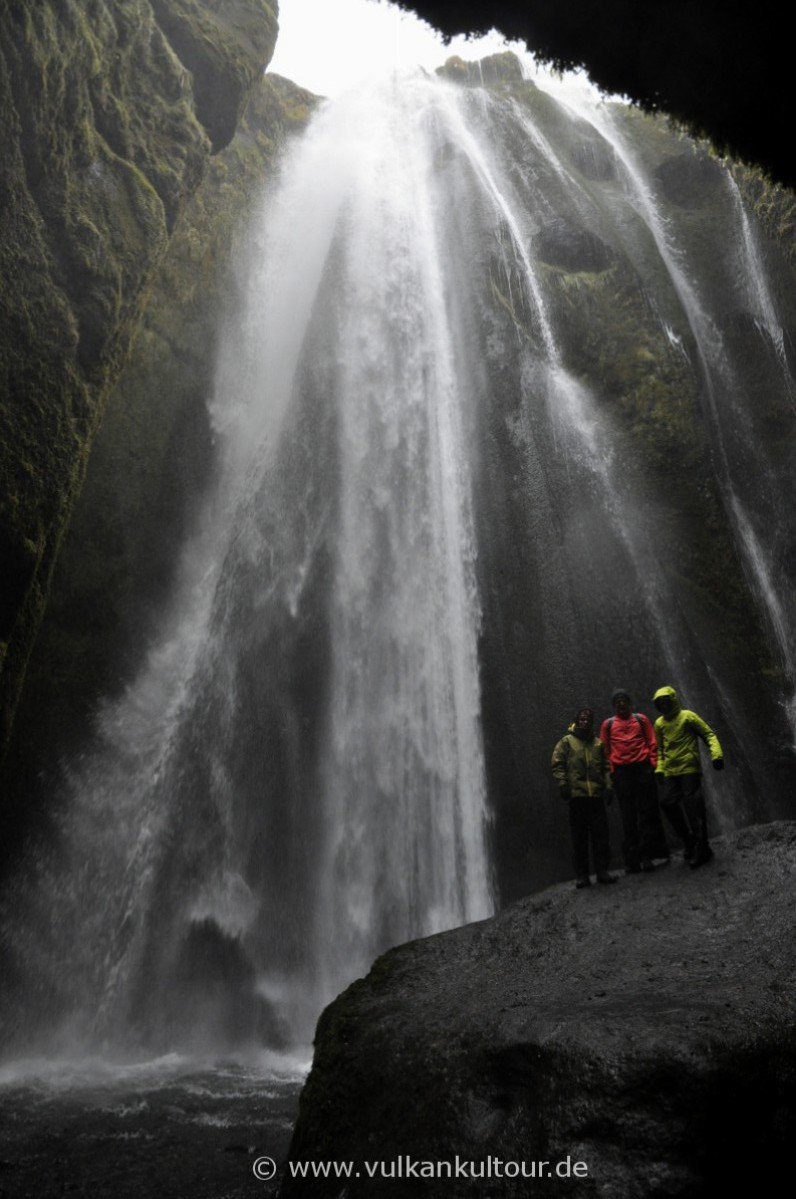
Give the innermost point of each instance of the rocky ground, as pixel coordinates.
(644, 1029)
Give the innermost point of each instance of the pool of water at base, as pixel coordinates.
(171, 1127)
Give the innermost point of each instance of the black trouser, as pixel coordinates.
(588, 822)
(684, 805)
(638, 806)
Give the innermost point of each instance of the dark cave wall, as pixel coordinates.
(723, 70)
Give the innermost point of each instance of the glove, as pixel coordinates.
(564, 791)
(718, 763)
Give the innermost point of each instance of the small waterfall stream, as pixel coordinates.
(737, 436)
(429, 537)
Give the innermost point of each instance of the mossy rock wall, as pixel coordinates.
(670, 453)
(151, 458)
(108, 129)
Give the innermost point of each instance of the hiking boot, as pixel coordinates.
(604, 877)
(580, 883)
(701, 857)
(646, 866)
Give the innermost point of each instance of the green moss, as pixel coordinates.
(455, 69)
(153, 449)
(652, 396)
(649, 391)
(104, 147)
(217, 43)
(774, 206)
(492, 71)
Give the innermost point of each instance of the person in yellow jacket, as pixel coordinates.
(678, 732)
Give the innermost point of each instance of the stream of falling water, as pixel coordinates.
(727, 405)
(287, 821)
(297, 779)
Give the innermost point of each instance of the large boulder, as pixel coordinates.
(644, 1029)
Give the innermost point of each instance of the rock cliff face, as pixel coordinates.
(646, 1030)
(598, 285)
(150, 459)
(110, 114)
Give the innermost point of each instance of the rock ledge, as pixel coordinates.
(645, 1029)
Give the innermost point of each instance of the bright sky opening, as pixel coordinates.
(328, 46)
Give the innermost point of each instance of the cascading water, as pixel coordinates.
(430, 537)
(296, 780)
(754, 492)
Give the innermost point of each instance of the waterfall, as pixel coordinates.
(431, 534)
(296, 780)
(753, 513)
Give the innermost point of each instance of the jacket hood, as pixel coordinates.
(582, 735)
(669, 692)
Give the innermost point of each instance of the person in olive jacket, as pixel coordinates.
(580, 767)
(678, 732)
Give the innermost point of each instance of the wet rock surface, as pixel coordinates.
(645, 1029)
(690, 180)
(563, 245)
(110, 112)
(495, 68)
(150, 462)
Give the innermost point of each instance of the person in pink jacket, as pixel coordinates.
(630, 745)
